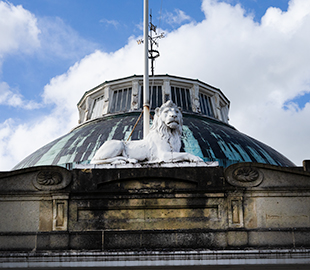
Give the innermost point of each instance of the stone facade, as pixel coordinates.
(247, 206)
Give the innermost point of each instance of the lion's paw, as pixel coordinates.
(132, 160)
(193, 158)
(119, 161)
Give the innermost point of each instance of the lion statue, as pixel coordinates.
(162, 144)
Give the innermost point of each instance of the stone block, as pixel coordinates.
(201, 239)
(17, 242)
(163, 240)
(270, 239)
(43, 241)
(283, 212)
(46, 216)
(86, 241)
(53, 241)
(220, 240)
(187, 240)
(122, 240)
(237, 238)
(306, 165)
(59, 241)
(158, 240)
(302, 238)
(19, 216)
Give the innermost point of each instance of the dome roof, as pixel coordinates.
(111, 109)
(208, 138)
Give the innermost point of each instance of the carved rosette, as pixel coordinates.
(50, 180)
(244, 176)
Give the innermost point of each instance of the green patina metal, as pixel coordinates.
(202, 136)
(191, 145)
(50, 155)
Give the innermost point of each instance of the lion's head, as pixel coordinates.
(168, 120)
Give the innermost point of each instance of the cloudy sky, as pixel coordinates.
(256, 52)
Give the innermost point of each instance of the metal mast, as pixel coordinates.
(146, 95)
(148, 54)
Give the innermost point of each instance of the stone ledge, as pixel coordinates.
(147, 165)
(217, 259)
(152, 240)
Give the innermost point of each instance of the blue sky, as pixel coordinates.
(98, 24)
(46, 43)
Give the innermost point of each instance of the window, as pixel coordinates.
(181, 97)
(98, 107)
(121, 100)
(206, 105)
(156, 96)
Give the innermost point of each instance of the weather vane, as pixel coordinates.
(153, 54)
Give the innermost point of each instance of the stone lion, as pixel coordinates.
(162, 144)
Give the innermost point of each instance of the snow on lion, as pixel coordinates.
(162, 144)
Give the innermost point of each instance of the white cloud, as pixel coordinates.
(18, 34)
(9, 98)
(7, 157)
(19, 140)
(18, 29)
(259, 66)
(61, 41)
(67, 89)
(114, 23)
(22, 32)
(48, 38)
(176, 18)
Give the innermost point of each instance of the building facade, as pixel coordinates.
(249, 207)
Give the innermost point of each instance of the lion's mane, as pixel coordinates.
(172, 136)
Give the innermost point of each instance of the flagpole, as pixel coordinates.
(146, 95)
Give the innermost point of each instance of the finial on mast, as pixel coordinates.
(152, 53)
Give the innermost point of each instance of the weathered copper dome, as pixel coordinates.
(110, 111)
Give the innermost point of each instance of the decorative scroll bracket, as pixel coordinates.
(52, 178)
(243, 175)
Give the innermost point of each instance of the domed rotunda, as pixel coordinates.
(112, 110)
(246, 204)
